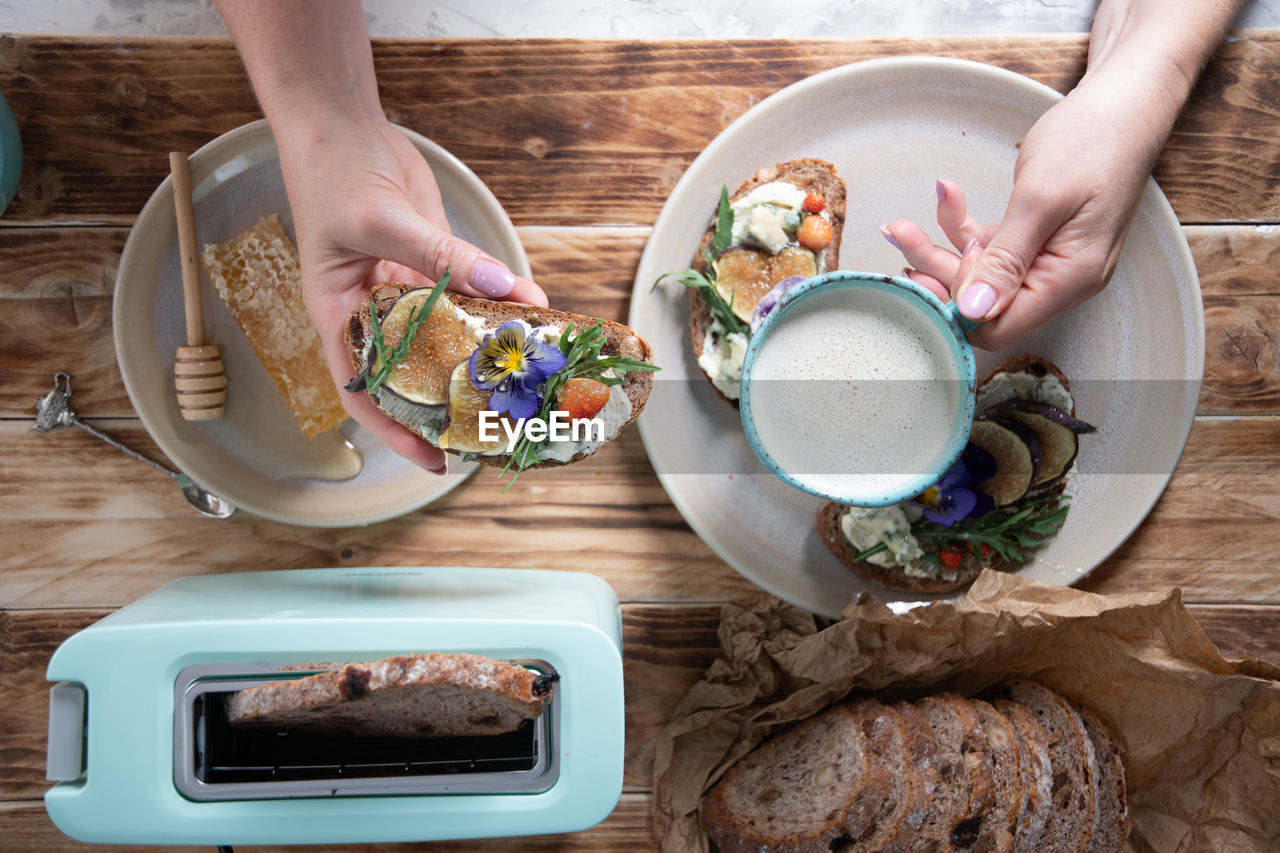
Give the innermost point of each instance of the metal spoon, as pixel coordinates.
(54, 409)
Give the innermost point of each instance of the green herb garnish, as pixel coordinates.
(724, 223)
(1025, 523)
(582, 361)
(721, 311)
(388, 359)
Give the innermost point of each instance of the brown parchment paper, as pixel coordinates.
(1200, 734)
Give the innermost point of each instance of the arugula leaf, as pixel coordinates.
(721, 311)
(417, 318)
(1025, 523)
(724, 223)
(582, 360)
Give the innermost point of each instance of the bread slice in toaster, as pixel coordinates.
(415, 696)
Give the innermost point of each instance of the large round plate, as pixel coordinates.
(255, 456)
(1135, 354)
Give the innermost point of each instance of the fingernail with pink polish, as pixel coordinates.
(977, 300)
(942, 190)
(969, 247)
(492, 279)
(888, 236)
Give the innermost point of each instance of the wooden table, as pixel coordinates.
(84, 529)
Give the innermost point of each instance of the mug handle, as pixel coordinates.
(966, 325)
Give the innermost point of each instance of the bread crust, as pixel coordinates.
(419, 695)
(810, 174)
(619, 340)
(828, 519)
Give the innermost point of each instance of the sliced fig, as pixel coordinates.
(440, 343)
(1058, 443)
(466, 402)
(1016, 450)
(744, 275)
(1044, 410)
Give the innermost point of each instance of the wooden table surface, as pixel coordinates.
(84, 529)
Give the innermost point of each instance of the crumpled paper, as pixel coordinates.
(1200, 735)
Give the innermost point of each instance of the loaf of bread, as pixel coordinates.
(1020, 769)
(418, 695)
(256, 273)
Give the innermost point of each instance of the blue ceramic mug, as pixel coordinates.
(859, 387)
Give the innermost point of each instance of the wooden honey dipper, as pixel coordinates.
(197, 373)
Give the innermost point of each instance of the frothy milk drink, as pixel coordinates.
(857, 392)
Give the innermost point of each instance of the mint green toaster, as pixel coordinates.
(140, 751)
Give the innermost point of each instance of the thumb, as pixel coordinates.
(402, 236)
(992, 282)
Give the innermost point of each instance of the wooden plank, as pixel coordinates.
(666, 650)
(128, 529)
(56, 286)
(105, 539)
(26, 826)
(563, 131)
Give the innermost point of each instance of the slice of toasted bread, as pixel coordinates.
(829, 514)
(809, 174)
(619, 340)
(419, 695)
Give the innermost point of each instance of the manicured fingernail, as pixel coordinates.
(942, 190)
(443, 469)
(976, 300)
(492, 279)
(969, 247)
(889, 237)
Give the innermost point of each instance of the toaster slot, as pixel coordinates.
(214, 760)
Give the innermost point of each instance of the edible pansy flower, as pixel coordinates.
(514, 364)
(956, 497)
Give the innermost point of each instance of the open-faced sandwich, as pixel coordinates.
(1003, 496)
(777, 229)
(506, 384)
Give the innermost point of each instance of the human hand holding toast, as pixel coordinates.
(389, 227)
(1078, 177)
(365, 203)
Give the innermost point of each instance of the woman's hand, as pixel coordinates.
(367, 210)
(365, 205)
(1078, 177)
(1061, 234)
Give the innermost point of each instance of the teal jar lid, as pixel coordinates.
(10, 154)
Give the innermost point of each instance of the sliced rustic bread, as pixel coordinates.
(419, 695)
(965, 788)
(1037, 774)
(1001, 825)
(1111, 820)
(1070, 822)
(619, 340)
(811, 175)
(922, 753)
(821, 785)
(942, 774)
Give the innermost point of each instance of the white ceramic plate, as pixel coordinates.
(1135, 354)
(255, 456)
